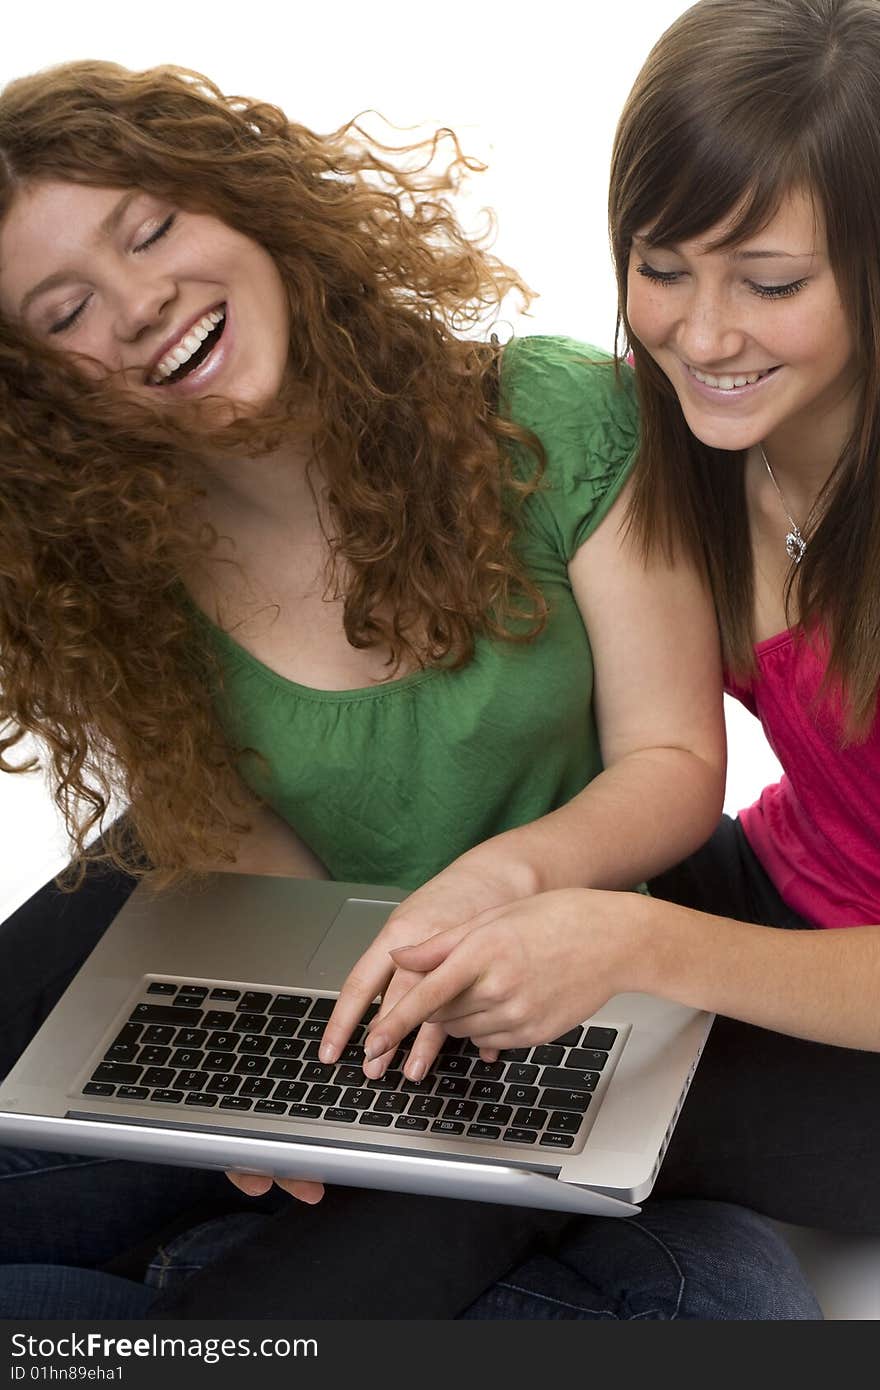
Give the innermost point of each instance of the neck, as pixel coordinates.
(804, 452)
(271, 487)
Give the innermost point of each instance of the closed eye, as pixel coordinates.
(657, 277)
(158, 234)
(71, 318)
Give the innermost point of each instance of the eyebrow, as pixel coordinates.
(106, 229)
(756, 255)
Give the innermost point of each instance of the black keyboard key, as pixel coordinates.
(392, 1102)
(289, 1090)
(190, 1037)
(521, 1095)
(528, 1118)
(154, 1056)
(187, 1001)
(164, 1013)
(315, 1071)
(160, 987)
(459, 1110)
(131, 1033)
(305, 1112)
(223, 1042)
(270, 1107)
(312, 1052)
(289, 1068)
(117, 1072)
(194, 991)
(225, 996)
(349, 1076)
(360, 1099)
(424, 1087)
(251, 1066)
(570, 1076)
(447, 1127)
(603, 1038)
(133, 1093)
(565, 1121)
(223, 1083)
(547, 1056)
(570, 1039)
(452, 1066)
(495, 1114)
(374, 1117)
(156, 1033)
(470, 1049)
(487, 1090)
(312, 1029)
(369, 1014)
(590, 1057)
(167, 1097)
(256, 1086)
(565, 1100)
(219, 1018)
(514, 1054)
(324, 1095)
(202, 1099)
(425, 1105)
(253, 1042)
(483, 1131)
(219, 1061)
(410, 1122)
(557, 1141)
(352, 1052)
(190, 1057)
(338, 1112)
(390, 1081)
(282, 1027)
(487, 1071)
(158, 1076)
(235, 1103)
(290, 1005)
(192, 1080)
(249, 1023)
(451, 1046)
(519, 1136)
(122, 1052)
(286, 1047)
(322, 1008)
(98, 1088)
(452, 1086)
(520, 1073)
(253, 1002)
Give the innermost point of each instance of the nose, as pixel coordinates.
(141, 302)
(709, 332)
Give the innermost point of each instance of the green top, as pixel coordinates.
(389, 784)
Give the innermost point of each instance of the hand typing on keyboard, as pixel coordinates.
(481, 879)
(518, 974)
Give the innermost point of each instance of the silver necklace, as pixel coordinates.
(795, 545)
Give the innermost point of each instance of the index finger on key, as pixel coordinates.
(367, 979)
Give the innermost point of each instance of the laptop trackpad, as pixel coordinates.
(347, 937)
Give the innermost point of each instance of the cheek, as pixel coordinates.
(646, 315)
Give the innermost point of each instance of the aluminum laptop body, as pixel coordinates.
(232, 936)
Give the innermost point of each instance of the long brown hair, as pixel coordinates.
(736, 106)
(99, 655)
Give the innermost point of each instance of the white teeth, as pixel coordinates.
(188, 344)
(727, 383)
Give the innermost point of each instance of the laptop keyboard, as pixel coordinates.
(206, 1047)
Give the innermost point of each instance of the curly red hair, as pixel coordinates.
(99, 656)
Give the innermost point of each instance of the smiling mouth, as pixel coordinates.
(191, 350)
(730, 381)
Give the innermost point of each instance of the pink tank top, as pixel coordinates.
(817, 831)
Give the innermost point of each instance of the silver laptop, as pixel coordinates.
(190, 1036)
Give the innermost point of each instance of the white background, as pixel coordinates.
(535, 97)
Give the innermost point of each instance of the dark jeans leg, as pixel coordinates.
(66, 1208)
(787, 1127)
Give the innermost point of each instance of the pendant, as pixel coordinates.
(795, 546)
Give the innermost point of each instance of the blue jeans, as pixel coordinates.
(676, 1260)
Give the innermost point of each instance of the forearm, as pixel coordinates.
(646, 812)
(821, 985)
